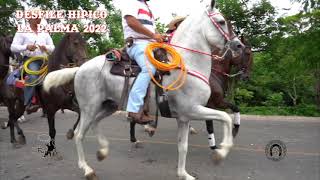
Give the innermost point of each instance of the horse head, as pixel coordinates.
(217, 24)
(70, 51)
(246, 60)
(76, 52)
(242, 63)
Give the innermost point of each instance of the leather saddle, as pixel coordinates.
(124, 66)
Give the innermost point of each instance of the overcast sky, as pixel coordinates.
(164, 8)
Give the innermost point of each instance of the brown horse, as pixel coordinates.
(70, 51)
(5, 53)
(74, 48)
(219, 78)
(8, 95)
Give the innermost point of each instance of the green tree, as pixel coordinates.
(7, 9)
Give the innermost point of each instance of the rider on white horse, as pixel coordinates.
(138, 23)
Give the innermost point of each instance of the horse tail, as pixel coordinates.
(59, 77)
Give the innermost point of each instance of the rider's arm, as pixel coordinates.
(134, 24)
(17, 43)
(49, 43)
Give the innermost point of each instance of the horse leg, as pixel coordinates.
(10, 105)
(201, 112)
(85, 121)
(183, 133)
(236, 120)
(52, 131)
(70, 133)
(20, 108)
(109, 107)
(235, 109)
(133, 138)
(211, 138)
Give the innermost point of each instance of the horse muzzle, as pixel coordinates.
(236, 47)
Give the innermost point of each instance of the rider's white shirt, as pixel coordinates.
(142, 13)
(21, 40)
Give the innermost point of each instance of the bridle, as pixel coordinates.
(241, 71)
(227, 36)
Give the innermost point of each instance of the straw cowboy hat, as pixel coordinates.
(175, 21)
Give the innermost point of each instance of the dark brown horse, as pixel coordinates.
(219, 78)
(70, 51)
(74, 48)
(9, 96)
(219, 81)
(5, 53)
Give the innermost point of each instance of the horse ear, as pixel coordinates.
(213, 4)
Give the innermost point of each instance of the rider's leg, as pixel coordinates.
(29, 90)
(139, 88)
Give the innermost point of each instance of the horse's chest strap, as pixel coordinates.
(199, 75)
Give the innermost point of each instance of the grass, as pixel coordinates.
(305, 110)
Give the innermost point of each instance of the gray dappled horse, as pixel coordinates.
(98, 92)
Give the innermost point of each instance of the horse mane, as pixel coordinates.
(4, 46)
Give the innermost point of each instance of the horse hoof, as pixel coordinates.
(235, 130)
(92, 176)
(22, 140)
(151, 133)
(133, 140)
(70, 134)
(149, 129)
(213, 147)
(186, 177)
(216, 157)
(102, 154)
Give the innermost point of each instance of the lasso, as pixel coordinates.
(176, 62)
(42, 72)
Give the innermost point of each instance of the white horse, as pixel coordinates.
(98, 92)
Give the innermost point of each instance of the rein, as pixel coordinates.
(219, 58)
(228, 75)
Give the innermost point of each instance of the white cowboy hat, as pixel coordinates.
(176, 20)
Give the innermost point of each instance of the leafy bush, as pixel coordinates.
(275, 99)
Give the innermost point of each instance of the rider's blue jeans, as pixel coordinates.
(29, 90)
(140, 86)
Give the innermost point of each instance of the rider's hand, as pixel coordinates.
(43, 48)
(158, 37)
(31, 47)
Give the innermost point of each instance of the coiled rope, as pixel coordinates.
(176, 62)
(41, 73)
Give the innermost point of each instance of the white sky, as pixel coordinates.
(164, 8)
